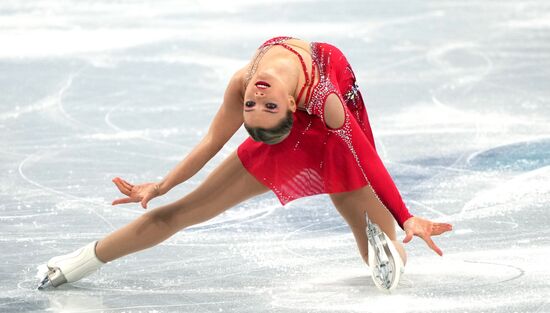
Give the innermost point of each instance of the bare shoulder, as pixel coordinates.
(236, 83)
(334, 111)
(229, 117)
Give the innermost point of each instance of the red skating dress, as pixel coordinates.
(316, 159)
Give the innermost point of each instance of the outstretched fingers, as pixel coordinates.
(435, 229)
(431, 244)
(425, 229)
(122, 200)
(126, 184)
(440, 228)
(125, 188)
(122, 187)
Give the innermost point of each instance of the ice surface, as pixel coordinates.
(458, 97)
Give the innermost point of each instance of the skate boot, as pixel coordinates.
(71, 267)
(384, 260)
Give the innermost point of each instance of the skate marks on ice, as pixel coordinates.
(77, 299)
(457, 281)
(518, 156)
(331, 279)
(477, 103)
(518, 180)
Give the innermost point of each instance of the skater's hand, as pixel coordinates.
(425, 229)
(136, 193)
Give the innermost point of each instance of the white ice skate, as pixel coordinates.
(71, 267)
(384, 260)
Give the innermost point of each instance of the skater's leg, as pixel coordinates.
(353, 205)
(227, 185)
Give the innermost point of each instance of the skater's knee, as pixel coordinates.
(179, 215)
(163, 219)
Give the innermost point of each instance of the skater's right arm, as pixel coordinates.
(226, 122)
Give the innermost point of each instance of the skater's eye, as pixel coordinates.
(269, 107)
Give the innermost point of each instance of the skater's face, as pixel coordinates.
(268, 108)
(266, 103)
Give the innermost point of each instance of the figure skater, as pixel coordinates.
(309, 134)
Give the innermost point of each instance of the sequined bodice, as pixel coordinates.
(324, 86)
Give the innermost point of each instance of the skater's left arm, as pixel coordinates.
(424, 229)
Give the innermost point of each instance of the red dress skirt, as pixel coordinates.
(315, 159)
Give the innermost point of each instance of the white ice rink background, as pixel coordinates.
(459, 100)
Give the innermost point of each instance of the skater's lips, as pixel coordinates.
(262, 84)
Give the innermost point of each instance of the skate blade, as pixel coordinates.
(44, 283)
(386, 269)
(42, 273)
